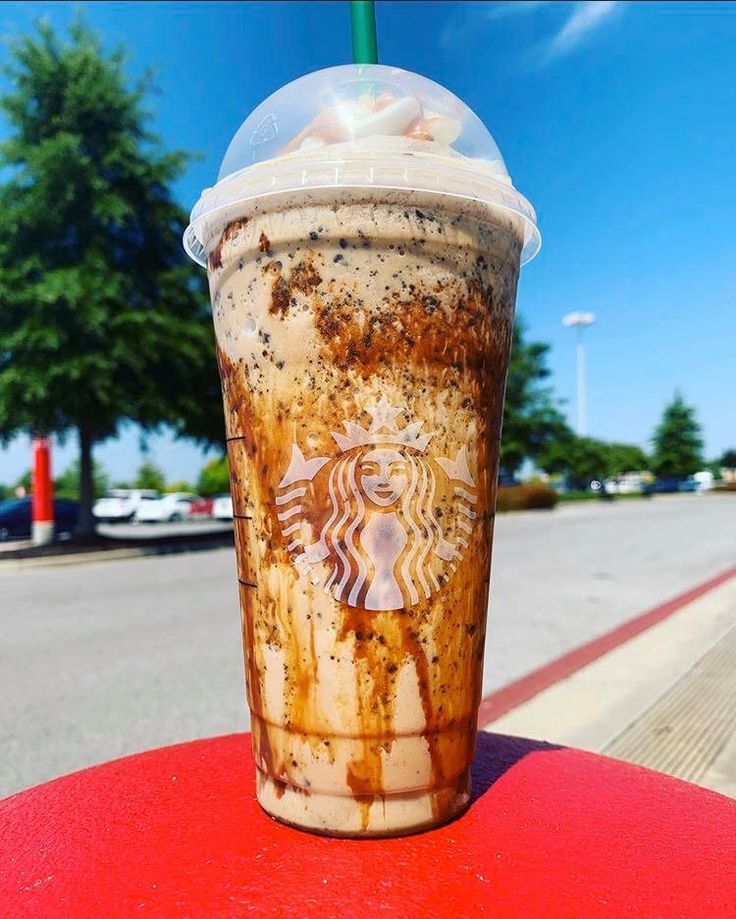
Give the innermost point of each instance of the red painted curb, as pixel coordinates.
(508, 697)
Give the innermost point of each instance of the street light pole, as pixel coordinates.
(579, 321)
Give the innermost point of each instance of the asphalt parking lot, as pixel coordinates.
(107, 658)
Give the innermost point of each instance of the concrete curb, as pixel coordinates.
(105, 555)
(601, 703)
(507, 698)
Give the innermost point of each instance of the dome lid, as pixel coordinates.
(358, 126)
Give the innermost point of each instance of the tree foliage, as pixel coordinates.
(102, 317)
(677, 441)
(624, 458)
(24, 481)
(67, 484)
(582, 459)
(214, 478)
(178, 485)
(149, 475)
(728, 459)
(532, 421)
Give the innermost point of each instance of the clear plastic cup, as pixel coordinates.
(363, 244)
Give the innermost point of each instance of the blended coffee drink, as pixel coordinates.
(363, 300)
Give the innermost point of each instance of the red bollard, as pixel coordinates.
(43, 493)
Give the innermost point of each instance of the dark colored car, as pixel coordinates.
(667, 485)
(15, 517)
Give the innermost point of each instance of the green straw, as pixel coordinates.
(363, 22)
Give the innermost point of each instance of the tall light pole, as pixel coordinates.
(579, 321)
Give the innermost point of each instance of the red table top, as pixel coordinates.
(551, 832)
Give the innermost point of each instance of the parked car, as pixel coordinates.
(222, 507)
(630, 483)
(167, 509)
(666, 485)
(119, 505)
(705, 480)
(201, 507)
(15, 517)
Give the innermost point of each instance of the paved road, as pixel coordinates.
(104, 659)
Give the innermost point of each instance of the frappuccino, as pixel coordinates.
(363, 335)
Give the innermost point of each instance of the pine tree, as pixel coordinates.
(677, 441)
(102, 317)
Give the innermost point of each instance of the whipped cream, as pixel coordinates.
(379, 116)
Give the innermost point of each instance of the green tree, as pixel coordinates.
(149, 475)
(532, 421)
(677, 441)
(624, 458)
(728, 459)
(102, 317)
(178, 485)
(578, 459)
(67, 484)
(214, 478)
(715, 467)
(23, 481)
(582, 459)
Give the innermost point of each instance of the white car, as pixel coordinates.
(120, 504)
(167, 509)
(222, 507)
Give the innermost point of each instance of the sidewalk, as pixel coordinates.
(665, 698)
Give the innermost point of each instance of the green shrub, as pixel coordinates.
(566, 496)
(525, 498)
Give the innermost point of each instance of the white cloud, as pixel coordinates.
(513, 8)
(581, 19)
(585, 19)
(468, 17)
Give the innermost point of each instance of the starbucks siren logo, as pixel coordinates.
(380, 545)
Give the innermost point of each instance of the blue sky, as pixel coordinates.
(615, 119)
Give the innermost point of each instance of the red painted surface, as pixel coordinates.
(551, 833)
(43, 490)
(508, 697)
